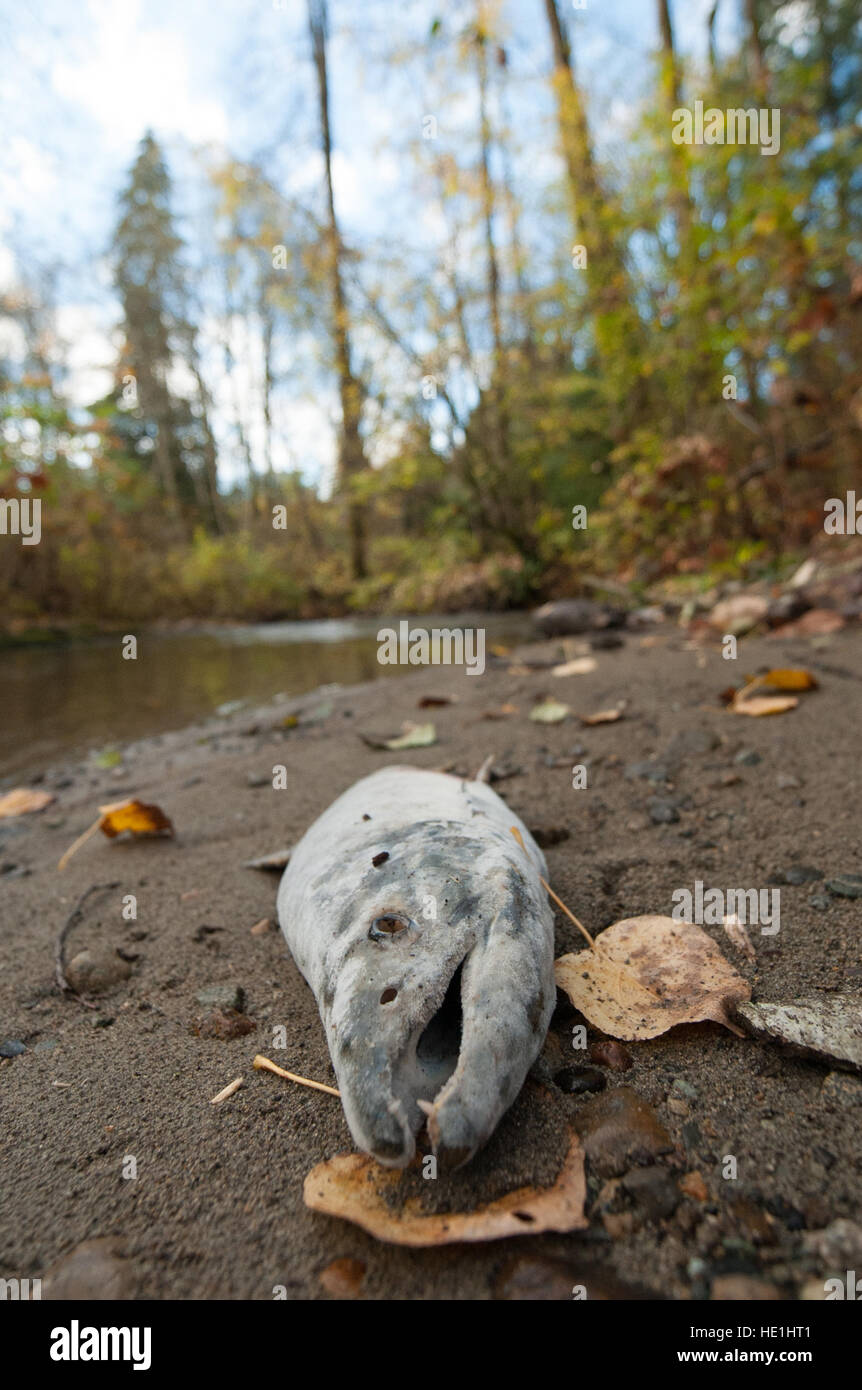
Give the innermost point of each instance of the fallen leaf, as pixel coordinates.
(502, 712)
(829, 1029)
(758, 705)
(602, 716)
(356, 1188)
(647, 974)
(580, 666)
(136, 817)
(738, 614)
(277, 860)
(550, 712)
(23, 801)
(414, 736)
(788, 678)
(816, 623)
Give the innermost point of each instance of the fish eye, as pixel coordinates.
(389, 924)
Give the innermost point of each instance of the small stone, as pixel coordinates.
(343, 1278)
(93, 1270)
(693, 1185)
(47, 1045)
(575, 1081)
(662, 812)
(226, 1024)
(12, 1048)
(785, 781)
(683, 1088)
(222, 997)
(651, 772)
(678, 1107)
(689, 743)
(839, 1090)
(748, 757)
(96, 971)
(654, 1191)
(845, 885)
(753, 1221)
(262, 927)
(258, 779)
(611, 1055)
(838, 1246)
(743, 1288)
(619, 1129)
(802, 873)
(820, 902)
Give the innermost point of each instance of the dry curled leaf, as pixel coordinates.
(550, 712)
(758, 705)
(354, 1187)
(788, 678)
(414, 736)
(647, 974)
(24, 800)
(602, 716)
(136, 817)
(579, 666)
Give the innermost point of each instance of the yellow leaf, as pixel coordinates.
(135, 816)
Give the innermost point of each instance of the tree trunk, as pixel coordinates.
(352, 459)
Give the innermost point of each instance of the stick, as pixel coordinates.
(262, 1063)
(228, 1091)
(77, 844)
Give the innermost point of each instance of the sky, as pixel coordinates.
(82, 80)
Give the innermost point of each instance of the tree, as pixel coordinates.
(159, 338)
(352, 462)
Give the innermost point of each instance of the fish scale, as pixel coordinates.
(426, 935)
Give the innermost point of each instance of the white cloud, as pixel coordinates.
(129, 77)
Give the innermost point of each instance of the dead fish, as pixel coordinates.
(425, 933)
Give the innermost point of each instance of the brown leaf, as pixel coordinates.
(758, 705)
(788, 678)
(602, 716)
(816, 623)
(137, 817)
(647, 974)
(357, 1189)
(23, 800)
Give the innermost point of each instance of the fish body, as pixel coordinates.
(423, 928)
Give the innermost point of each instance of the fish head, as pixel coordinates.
(437, 994)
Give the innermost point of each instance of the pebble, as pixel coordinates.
(820, 902)
(785, 781)
(839, 1090)
(748, 757)
(845, 885)
(226, 1024)
(743, 1288)
(693, 1185)
(222, 997)
(96, 971)
(662, 812)
(12, 1048)
(678, 1107)
(684, 1088)
(619, 1129)
(838, 1246)
(611, 1055)
(343, 1278)
(93, 1270)
(652, 772)
(575, 1081)
(654, 1190)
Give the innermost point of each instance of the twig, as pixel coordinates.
(91, 830)
(262, 1063)
(72, 920)
(228, 1091)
